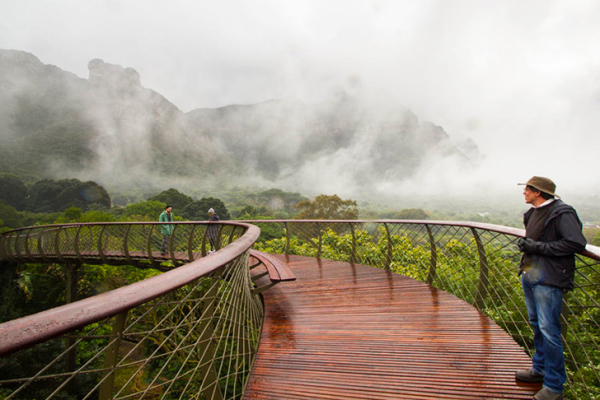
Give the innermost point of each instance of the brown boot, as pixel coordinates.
(529, 375)
(547, 394)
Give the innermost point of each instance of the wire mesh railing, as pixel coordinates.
(476, 262)
(197, 339)
(189, 333)
(141, 244)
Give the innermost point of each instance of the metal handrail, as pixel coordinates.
(477, 262)
(17, 334)
(174, 328)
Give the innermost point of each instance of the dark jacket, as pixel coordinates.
(553, 263)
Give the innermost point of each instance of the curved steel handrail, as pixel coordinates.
(27, 331)
(164, 319)
(476, 262)
(590, 251)
(431, 236)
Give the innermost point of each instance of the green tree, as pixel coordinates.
(145, 210)
(13, 191)
(411, 213)
(327, 207)
(10, 218)
(48, 195)
(251, 212)
(174, 198)
(198, 210)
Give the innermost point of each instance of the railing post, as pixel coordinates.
(149, 245)
(287, 239)
(433, 258)
(388, 257)
(27, 245)
(320, 241)
(111, 358)
(231, 235)
(72, 272)
(483, 284)
(76, 244)
(41, 245)
(100, 249)
(57, 245)
(191, 243)
(126, 243)
(353, 251)
(564, 316)
(171, 239)
(207, 360)
(218, 241)
(204, 236)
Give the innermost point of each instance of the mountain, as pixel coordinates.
(111, 129)
(54, 124)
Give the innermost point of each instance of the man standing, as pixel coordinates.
(213, 230)
(552, 237)
(166, 229)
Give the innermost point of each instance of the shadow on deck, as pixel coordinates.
(344, 331)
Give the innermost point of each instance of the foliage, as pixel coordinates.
(75, 214)
(10, 218)
(327, 207)
(411, 213)
(145, 210)
(197, 210)
(251, 212)
(48, 196)
(13, 191)
(174, 198)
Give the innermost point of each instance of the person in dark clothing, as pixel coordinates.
(213, 230)
(552, 237)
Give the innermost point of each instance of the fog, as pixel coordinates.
(522, 79)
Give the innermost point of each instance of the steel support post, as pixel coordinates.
(191, 244)
(287, 239)
(353, 251)
(388, 257)
(433, 258)
(112, 356)
(320, 233)
(482, 286)
(209, 377)
(72, 272)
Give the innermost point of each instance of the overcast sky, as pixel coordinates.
(522, 78)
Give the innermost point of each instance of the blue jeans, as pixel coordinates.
(544, 305)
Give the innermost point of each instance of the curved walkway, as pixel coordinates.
(343, 331)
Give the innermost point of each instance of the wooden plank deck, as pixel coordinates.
(355, 332)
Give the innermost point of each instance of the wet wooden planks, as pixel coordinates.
(355, 332)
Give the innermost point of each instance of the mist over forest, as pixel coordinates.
(111, 129)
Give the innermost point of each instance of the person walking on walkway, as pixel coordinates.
(552, 237)
(213, 230)
(166, 229)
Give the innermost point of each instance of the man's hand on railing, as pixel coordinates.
(529, 246)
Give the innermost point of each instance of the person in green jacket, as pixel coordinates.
(166, 229)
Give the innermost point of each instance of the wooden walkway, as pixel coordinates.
(355, 332)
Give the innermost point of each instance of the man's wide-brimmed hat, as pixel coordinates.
(542, 184)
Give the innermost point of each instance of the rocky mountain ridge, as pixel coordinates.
(109, 128)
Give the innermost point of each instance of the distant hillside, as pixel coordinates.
(111, 129)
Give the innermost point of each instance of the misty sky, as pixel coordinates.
(522, 78)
